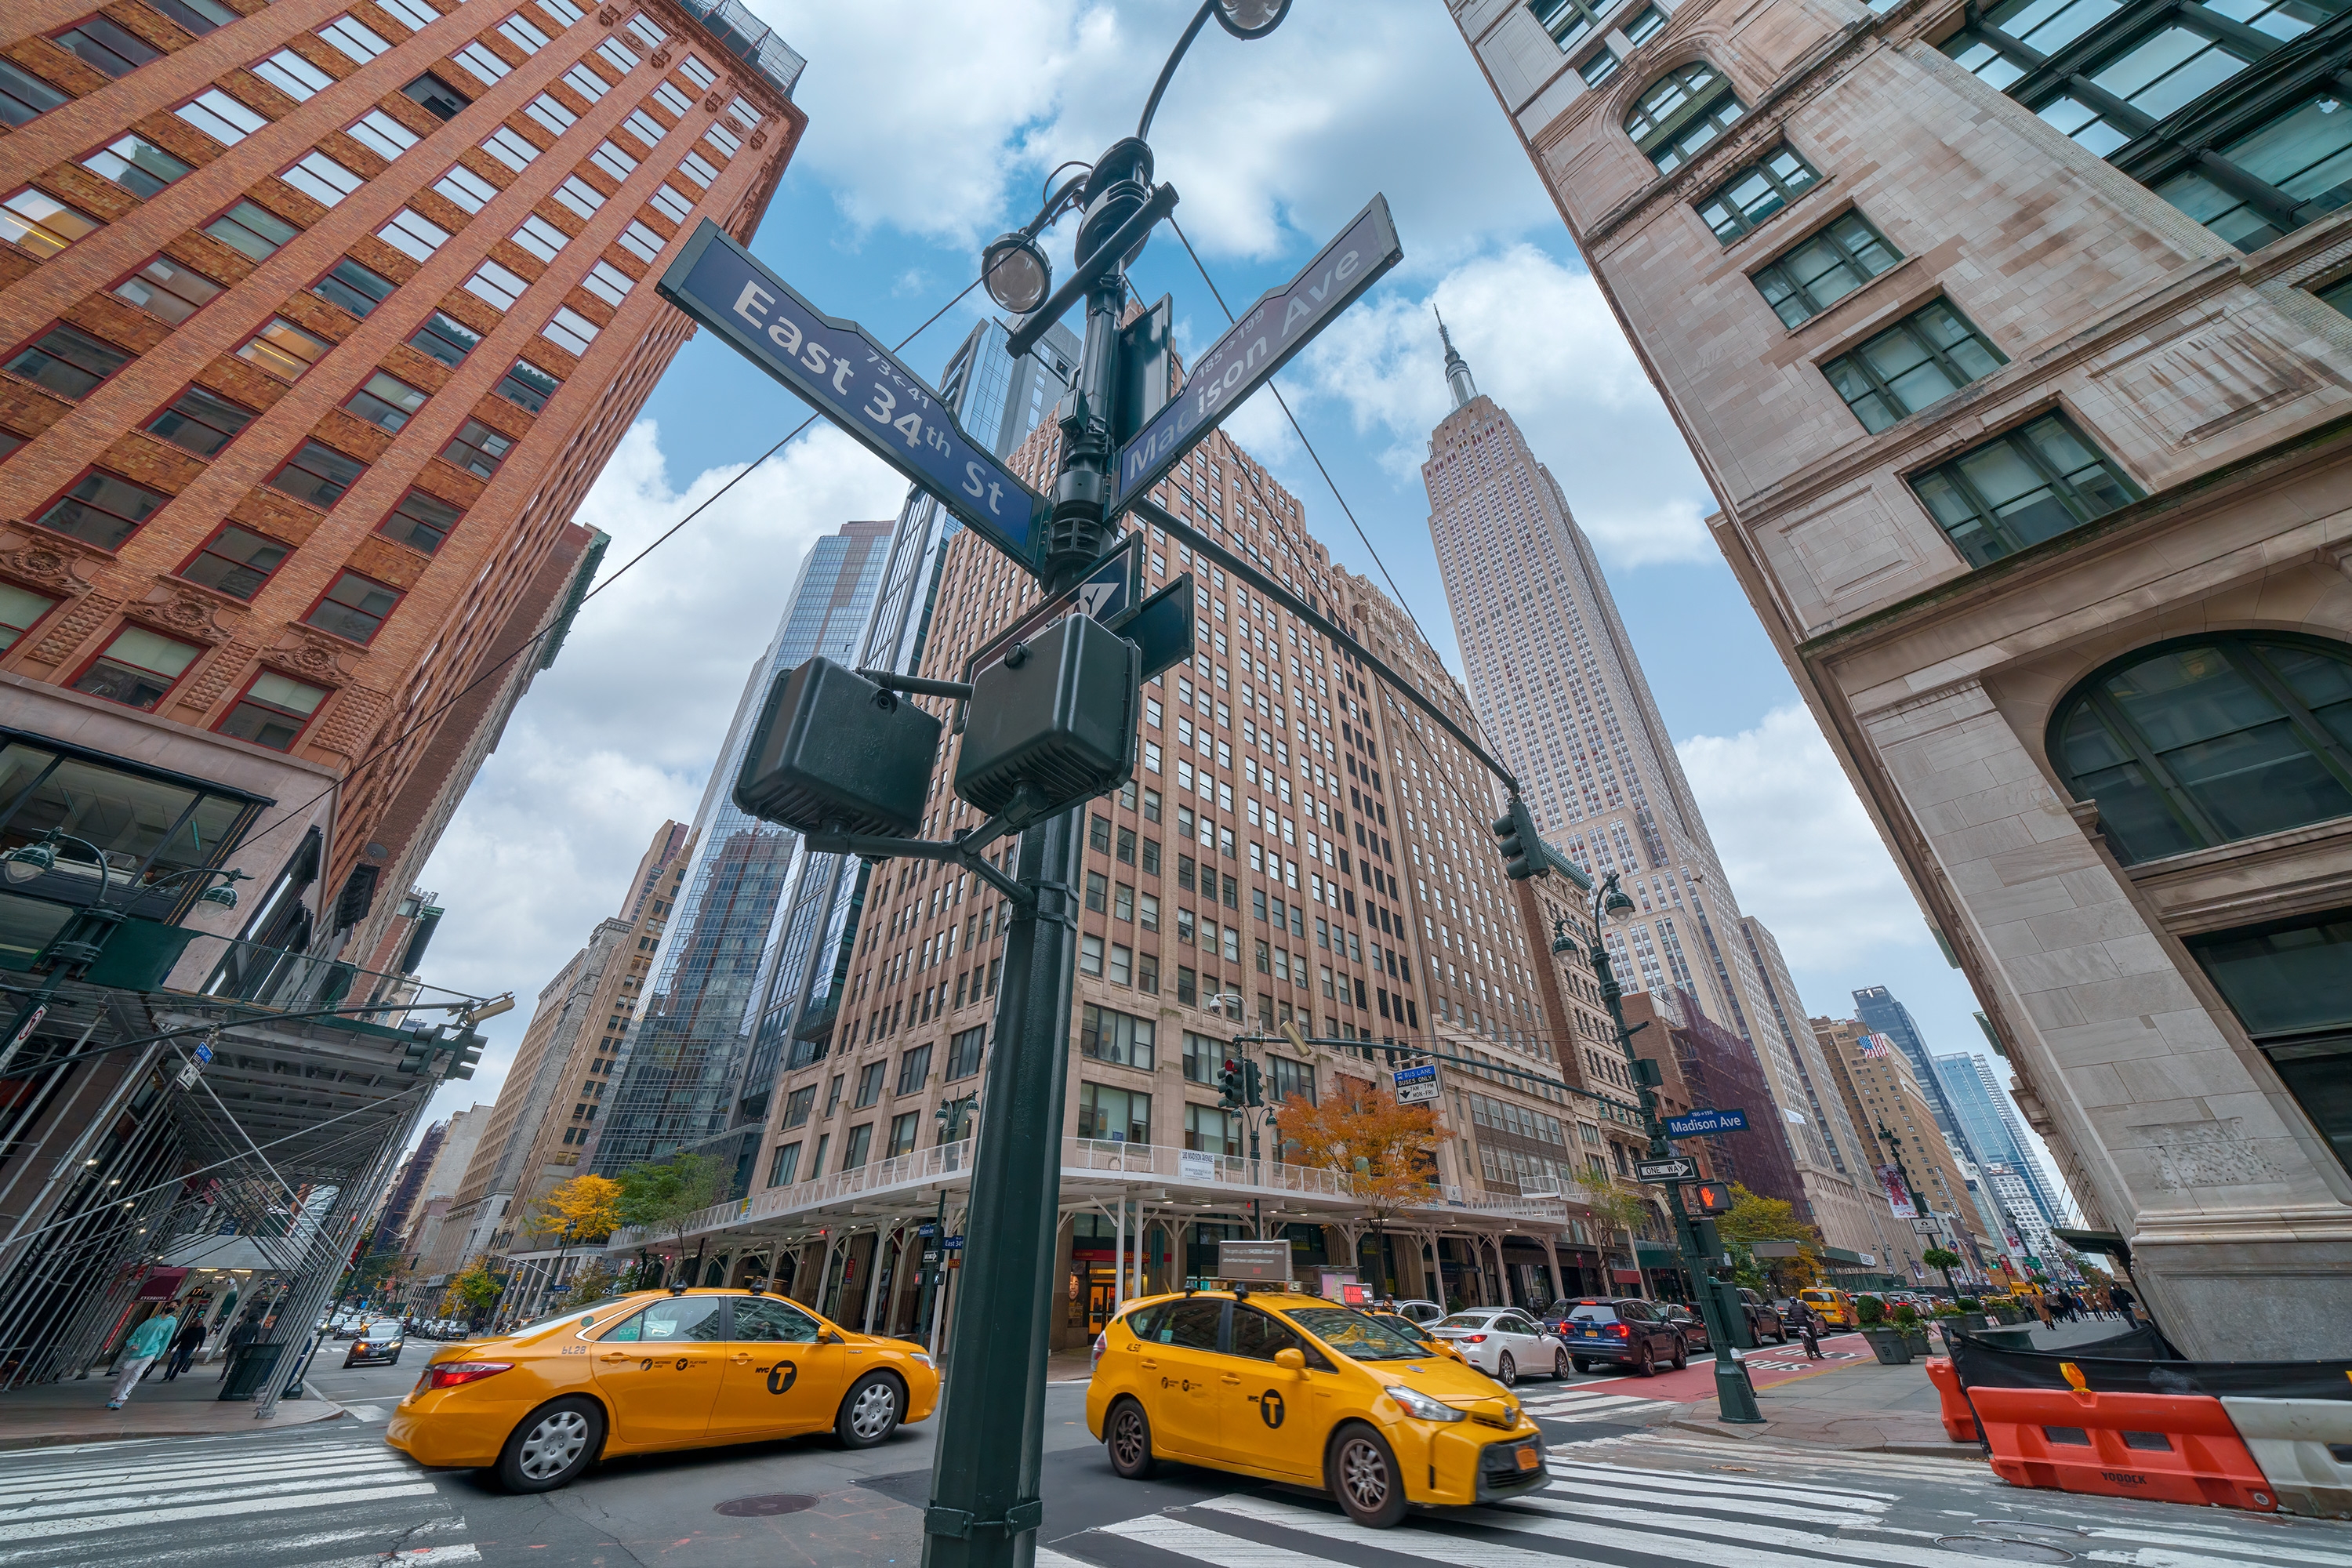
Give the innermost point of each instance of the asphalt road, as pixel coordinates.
(1626, 1495)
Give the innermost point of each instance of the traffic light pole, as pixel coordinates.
(1735, 1395)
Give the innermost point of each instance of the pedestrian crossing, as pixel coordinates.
(341, 1501)
(1696, 1503)
(1590, 1403)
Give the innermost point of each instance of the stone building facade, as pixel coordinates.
(2011, 341)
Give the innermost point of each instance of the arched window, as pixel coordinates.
(1681, 112)
(2207, 740)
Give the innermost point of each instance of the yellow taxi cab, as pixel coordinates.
(1833, 1306)
(655, 1369)
(1289, 1387)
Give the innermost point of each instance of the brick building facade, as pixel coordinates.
(2011, 340)
(316, 321)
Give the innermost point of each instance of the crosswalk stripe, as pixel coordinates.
(43, 1528)
(19, 1478)
(1814, 1460)
(1742, 1506)
(416, 1557)
(94, 1493)
(1670, 1481)
(242, 1457)
(1211, 1545)
(1461, 1550)
(1588, 1402)
(241, 1545)
(2283, 1554)
(163, 1489)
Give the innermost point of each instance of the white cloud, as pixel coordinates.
(1800, 852)
(1542, 342)
(620, 734)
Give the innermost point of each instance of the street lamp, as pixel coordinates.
(1734, 1396)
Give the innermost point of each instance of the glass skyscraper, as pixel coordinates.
(1881, 1015)
(756, 951)
(1989, 1122)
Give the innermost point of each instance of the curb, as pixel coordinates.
(1967, 1452)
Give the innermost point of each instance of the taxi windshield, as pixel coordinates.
(1357, 1335)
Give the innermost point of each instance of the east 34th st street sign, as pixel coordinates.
(1261, 343)
(857, 383)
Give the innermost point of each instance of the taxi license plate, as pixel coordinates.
(1589, 1333)
(1529, 1458)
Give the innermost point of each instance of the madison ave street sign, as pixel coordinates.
(1258, 345)
(855, 382)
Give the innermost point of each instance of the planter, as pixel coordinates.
(1891, 1348)
(1915, 1342)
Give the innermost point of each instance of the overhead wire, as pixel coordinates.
(383, 747)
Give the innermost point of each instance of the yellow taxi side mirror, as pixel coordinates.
(1290, 1360)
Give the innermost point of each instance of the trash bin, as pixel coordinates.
(249, 1367)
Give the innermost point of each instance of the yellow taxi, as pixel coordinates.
(1295, 1388)
(655, 1369)
(1833, 1306)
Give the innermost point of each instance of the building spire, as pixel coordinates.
(1457, 369)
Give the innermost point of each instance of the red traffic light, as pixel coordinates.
(1712, 1198)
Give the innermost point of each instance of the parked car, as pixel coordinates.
(379, 1341)
(1764, 1319)
(1419, 1332)
(1502, 1342)
(1688, 1323)
(1624, 1332)
(1419, 1311)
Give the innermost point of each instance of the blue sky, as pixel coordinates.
(933, 124)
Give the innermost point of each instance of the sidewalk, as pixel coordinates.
(75, 1411)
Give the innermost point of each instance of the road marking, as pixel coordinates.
(42, 1528)
(416, 1557)
(1623, 1474)
(91, 1491)
(366, 1412)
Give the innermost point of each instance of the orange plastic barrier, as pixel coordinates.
(1959, 1421)
(2173, 1447)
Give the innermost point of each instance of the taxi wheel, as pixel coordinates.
(1128, 1436)
(1365, 1478)
(1560, 1366)
(869, 1413)
(550, 1447)
(1507, 1371)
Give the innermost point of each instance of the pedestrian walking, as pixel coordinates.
(184, 1346)
(2041, 1309)
(147, 1341)
(244, 1334)
(1813, 1330)
(2127, 1304)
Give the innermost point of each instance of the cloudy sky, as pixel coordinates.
(933, 124)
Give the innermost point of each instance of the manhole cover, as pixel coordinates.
(2006, 1550)
(769, 1503)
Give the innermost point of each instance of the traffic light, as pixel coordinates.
(1231, 1090)
(466, 1052)
(1712, 1198)
(1254, 1083)
(1524, 854)
(834, 753)
(416, 1056)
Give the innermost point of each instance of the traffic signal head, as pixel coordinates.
(1230, 1088)
(1254, 1083)
(417, 1054)
(1712, 1198)
(1524, 854)
(466, 1051)
(834, 753)
(1059, 720)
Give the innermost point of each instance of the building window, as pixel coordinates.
(963, 1053)
(496, 287)
(1203, 1057)
(385, 401)
(1567, 21)
(782, 1163)
(2287, 173)
(1823, 269)
(321, 178)
(1755, 192)
(2289, 983)
(138, 668)
(413, 236)
(1210, 1130)
(607, 282)
(1114, 1115)
(354, 607)
(905, 1128)
(609, 157)
(1682, 112)
(570, 331)
(1648, 24)
(283, 349)
(273, 711)
(860, 1143)
(25, 98)
(1921, 359)
(421, 521)
(798, 1105)
(2208, 741)
(527, 386)
(869, 1085)
(641, 242)
(20, 610)
(1090, 955)
(318, 474)
(553, 116)
(1097, 886)
(167, 290)
(2031, 484)
(137, 164)
(914, 1070)
(105, 47)
(435, 97)
(1288, 1080)
(445, 339)
(1598, 66)
(235, 562)
(102, 509)
(579, 195)
(2337, 295)
(511, 147)
(42, 224)
(465, 189)
(292, 74)
(381, 134)
(356, 288)
(476, 449)
(672, 205)
(67, 362)
(1122, 965)
(220, 117)
(1109, 1036)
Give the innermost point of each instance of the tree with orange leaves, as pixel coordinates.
(1385, 1149)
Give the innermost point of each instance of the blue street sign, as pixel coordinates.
(1258, 345)
(927, 1230)
(951, 1243)
(855, 382)
(1699, 1123)
(203, 1053)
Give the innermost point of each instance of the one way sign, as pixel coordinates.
(1675, 1170)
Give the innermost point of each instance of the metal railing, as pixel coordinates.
(751, 38)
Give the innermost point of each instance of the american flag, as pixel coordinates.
(1876, 1045)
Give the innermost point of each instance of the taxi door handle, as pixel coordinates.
(1149, 1364)
(616, 1356)
(1231, 1382)
(739, 1359)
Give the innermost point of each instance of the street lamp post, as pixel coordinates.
(985, 1500)
(1734, 1396)
(1903, 1174)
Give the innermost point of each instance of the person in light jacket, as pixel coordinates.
(148, 1341)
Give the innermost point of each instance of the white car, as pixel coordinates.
(1502, 1342)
